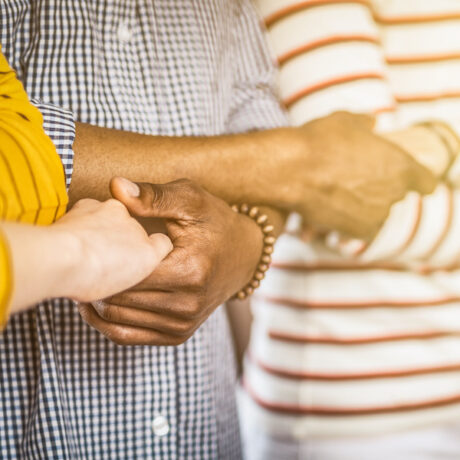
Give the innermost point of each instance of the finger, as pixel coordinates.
(177, 272)
(129, 316)
(161, 247)
(164, 303)
(173, 200)
(421, 179)
(126, 335)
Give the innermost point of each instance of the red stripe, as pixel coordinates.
(351, 305)
(395, 373)
(350, 411)
(421, 58)
(276, 335)
(332, 82)
(413, 19)
(325, 42)
(299, 6)
(427, 97)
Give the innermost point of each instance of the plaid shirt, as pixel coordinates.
(182, 67)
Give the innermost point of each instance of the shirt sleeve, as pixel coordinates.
(59, 125)
(6, 282)
(256, 105)
(32, 181)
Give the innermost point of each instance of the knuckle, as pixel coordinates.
(174, 341)
(106, 311)
(115, 205)
(200, 273)
(117, 335)
(194, 308)
(184, 328)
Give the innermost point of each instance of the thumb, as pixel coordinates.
(161, 245)
(150, 200)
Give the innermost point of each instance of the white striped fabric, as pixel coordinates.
(368, 343)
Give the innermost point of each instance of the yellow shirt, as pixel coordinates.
(32, 181)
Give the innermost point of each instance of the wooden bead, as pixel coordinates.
(266, 259)
(249, 290)
(268, 249)
(255, 284)
(262, 267)
(262, 219)
(259, 275)
(268, 228)
(270, 240)
(241, 295)
(244, 208)
(253, 212)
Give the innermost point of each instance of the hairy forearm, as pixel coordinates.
(231, 167)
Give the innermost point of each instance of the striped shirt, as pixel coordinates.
(368, 344)
(155, 67)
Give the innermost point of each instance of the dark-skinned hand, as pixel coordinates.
(215, 254)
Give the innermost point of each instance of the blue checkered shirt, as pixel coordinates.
(161, 67)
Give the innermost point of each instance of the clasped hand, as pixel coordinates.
(215, 254)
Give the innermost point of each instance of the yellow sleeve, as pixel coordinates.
(6, 282)
(32, 180)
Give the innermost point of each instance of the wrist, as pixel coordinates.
(67, 260)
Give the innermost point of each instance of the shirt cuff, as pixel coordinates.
(59, 124)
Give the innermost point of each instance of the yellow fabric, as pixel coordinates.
(6, 282)
(32, 180)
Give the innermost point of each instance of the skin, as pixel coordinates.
(80, 256)
(335, 171)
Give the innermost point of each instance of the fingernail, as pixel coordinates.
(130, 188)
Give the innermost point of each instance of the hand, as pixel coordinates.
(114, 251)
(95, 250)
(215, 254)
(349, 177)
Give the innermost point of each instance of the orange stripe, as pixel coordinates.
(299, 6)
(350, 411)
(359, 304)
(325, 42)
(412, 19)
(275, 335)
(332, 82)
(427, 97)
(422, 58)
(395, 373)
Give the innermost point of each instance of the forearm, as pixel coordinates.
(235, 168)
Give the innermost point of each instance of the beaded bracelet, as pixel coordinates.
(269, 240)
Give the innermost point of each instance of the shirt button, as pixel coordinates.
(160, 426)
(124, 32)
